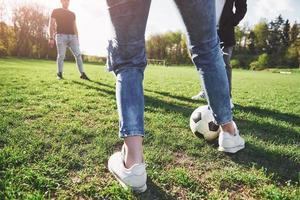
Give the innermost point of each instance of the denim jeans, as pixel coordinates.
(227, 57)
(62, 42)
(127, 58)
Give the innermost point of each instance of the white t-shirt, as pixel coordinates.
(219, 9)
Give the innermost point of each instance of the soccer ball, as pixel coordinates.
(203, 124)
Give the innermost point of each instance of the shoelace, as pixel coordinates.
(222, 49)
(202, 95)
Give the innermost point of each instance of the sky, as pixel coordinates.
(94, 25)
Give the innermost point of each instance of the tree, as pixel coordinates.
(261, 32)
(276, 46)
(252, 43)
(240, 36)
(7, 40)
(286, 34)
(298, 49)
(30, 25)
(293, 52)
(170, 46)
(275, 36)
(246, 31)
(3, 39)
(294, 32)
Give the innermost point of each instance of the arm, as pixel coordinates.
(51, 31)
(241, 10)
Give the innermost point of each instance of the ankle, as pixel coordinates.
(229, 128)
(133, 151)
(132, 160)
(133, 156)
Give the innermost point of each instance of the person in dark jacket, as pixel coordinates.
(227, 19)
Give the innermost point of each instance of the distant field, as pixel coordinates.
(56, 136)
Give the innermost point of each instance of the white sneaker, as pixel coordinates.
(201, 95)
(231, 104)
(231, 143)
(134, 177)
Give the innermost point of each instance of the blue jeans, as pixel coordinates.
(62, 42)
(127, 58)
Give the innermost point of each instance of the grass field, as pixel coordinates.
(56, 136)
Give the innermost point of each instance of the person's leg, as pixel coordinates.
(130, 102)
(74, 46)
(61, 45)
(199, 18)
(127, 58)
(126, 54)
(227, 57)
(227, 54)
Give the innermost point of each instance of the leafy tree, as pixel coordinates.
(252, 43)
(30, 24)
(286, 34)
(238, 37)
(275, 36)
(294, 32)
(292, 55)
(170, 46)
(261, 32)
(7, 40)
(241, 36)
(3, 46)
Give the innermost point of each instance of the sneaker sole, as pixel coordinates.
(231, 150)
(198, 98)
(135, 189)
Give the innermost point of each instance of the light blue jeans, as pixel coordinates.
(127, 58)
(64, 41)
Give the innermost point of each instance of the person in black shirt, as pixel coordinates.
(62, 25)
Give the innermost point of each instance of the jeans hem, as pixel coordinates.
(224, 122)
(128, 134)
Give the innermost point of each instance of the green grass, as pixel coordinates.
(56, 136)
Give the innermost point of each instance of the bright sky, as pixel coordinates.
(94, 27)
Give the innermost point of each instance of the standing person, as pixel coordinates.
(127, 59)
(226, 21)
(62, 25)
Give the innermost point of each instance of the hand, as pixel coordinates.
(51, 42)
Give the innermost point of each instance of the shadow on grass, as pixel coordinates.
(154, 192)
(108, 92)
(279, 166)
(149, 101)
(270, 133)
(102, 84)
(287, 117)
(181, 98)
(283, 166)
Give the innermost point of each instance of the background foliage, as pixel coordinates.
(25, 35)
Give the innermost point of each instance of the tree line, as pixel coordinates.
(266, 44)
(269, 44)
(26, 36)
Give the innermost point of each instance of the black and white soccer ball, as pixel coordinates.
(203, 123)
